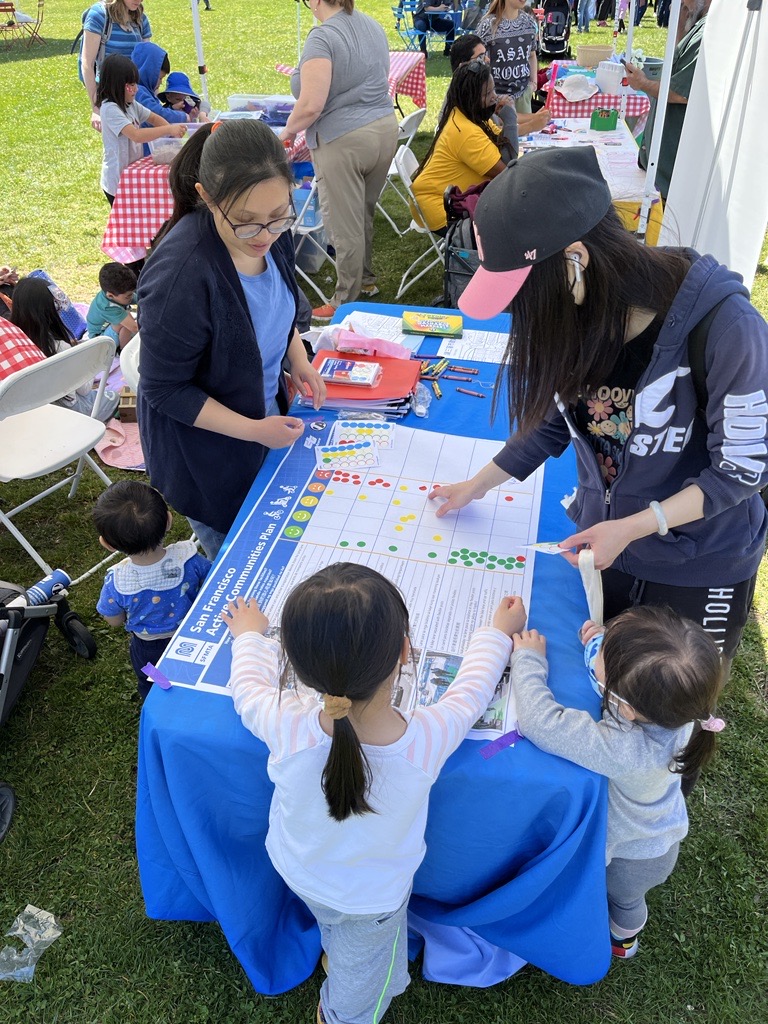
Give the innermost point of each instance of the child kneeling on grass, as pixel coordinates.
(110, 313)
(659, 676)
(151, 590)
(352, 776)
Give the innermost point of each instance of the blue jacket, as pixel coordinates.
(670, 447)
(198, 341)
(148, 58)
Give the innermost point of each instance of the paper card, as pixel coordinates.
(380, 433)
(347, 456)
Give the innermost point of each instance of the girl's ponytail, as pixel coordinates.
(346, 777)
(343, 632)
(696, 753)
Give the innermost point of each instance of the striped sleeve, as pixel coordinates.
(281, 720)
(444, 725)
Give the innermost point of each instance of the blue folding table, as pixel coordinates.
(515, 863)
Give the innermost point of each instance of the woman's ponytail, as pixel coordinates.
(183, 175)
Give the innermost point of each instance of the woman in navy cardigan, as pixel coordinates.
(217, 314)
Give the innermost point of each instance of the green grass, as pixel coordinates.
(70, 746)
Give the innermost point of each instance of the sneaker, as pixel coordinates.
(602, 24)
(625, 948)
(323, 312)
(369, 290)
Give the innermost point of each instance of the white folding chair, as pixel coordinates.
(407, 165)
(129, 362)
(37, 438)
(406, 133)
(304, 236)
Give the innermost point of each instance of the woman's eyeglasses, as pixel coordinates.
(274, 227)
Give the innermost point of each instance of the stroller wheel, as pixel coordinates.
(77, 636)
(7, 807)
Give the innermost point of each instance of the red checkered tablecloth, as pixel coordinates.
(142, 203)
(407, 75)
(637, 105)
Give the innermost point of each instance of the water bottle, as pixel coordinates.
(42, 592)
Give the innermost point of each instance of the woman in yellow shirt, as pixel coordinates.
(468, 146)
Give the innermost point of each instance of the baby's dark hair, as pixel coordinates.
(669, 670)
(117, 71)
(117, 278)
(131, 516)
(342, 631)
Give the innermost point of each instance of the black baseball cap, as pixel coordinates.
(537, 206)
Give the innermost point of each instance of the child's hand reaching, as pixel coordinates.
(589, 630)
(510, 616)
(531, 640)
(244, 617)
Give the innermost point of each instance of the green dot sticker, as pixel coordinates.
(451, 561)
(294, 532)
(490, 565)
(343, 543)
(432, 554)
(492, 558)
(361, 543)
(464, 551)
(455, 554)
(484, 554)
(393, 547)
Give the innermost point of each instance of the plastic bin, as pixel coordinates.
(275, 109)
(164, 149)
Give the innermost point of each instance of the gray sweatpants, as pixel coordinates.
(367, 962)
(628, 882)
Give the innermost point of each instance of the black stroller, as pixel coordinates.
(23, 627)
(555, 30)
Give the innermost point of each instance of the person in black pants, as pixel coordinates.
(431, 17)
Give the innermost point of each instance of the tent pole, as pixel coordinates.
(658, 124)
(201, 68)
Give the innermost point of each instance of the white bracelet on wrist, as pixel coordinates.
(661, 519)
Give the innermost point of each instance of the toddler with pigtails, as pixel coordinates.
(659, 677)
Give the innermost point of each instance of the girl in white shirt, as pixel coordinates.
(352, 776)
(121, 120)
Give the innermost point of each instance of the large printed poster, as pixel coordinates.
(452, 571)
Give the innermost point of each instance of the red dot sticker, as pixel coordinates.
(423, 487)
(508, 497)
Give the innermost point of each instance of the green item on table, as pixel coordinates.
(603, 120)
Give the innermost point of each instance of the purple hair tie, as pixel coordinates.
(712, 724)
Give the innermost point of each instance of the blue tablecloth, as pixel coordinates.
(515, 843)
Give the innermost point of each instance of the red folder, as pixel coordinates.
(398, 378)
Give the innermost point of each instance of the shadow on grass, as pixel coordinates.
(19, 50)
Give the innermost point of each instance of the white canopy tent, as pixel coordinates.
(718, 199)
(201, 67)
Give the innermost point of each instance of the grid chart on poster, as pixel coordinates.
(452, 571)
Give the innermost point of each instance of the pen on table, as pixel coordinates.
(475, 394)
